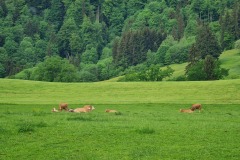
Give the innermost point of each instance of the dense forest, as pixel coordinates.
(95, 40)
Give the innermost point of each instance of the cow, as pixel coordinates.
(196, 106)
(111, 111)
(84, 109)
(89, 107)
(54, 110)
(71, 110)
(186, 110)
(63, 106)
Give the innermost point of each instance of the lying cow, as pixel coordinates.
(63, 106)
(111, 111)
(196, 106)
(186, 110)
(87, 108)
(54, 110)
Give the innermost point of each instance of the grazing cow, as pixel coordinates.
(63, 106)
(186, 110)
(111, 111)
(196, 106)
(87, 108)
(54, 110)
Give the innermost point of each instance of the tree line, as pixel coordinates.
(94, 40)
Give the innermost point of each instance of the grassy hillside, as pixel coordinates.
(30, 92)
(231, 60)
(149, 127)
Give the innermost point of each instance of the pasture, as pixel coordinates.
(148, 127)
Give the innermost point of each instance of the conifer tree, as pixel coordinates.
(206, 43)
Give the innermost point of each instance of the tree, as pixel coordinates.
(207, 69)
(114, 11)
(91, 34)
(90, 55)
(133, 47)
(11, 48)
(152, 73)
(56, 14)
(68, 28)
(3, 59)
(55, 69)
(163, 48)
(206, 43)
(106, 68)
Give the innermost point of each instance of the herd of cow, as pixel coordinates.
(89, 108)
(84, 109)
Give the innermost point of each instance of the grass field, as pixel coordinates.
(149, 126)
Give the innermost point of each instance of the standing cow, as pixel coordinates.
(63, 106)
(196, 106)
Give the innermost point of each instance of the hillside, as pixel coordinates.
(229, 59)
(86, 40)
(32, 92)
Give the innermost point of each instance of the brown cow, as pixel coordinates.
(111, 111)
(196, 106)
(63, 106)
(84, 109)
(186, 110)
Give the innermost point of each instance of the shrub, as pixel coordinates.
(55, 69)
(237, 44)
(207, 69)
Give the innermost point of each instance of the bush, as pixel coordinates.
(25, 74)
(207, 69)
(86, 76)
(54, 69)
(237, 44)
(152, 73)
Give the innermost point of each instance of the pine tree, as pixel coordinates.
(206, 43)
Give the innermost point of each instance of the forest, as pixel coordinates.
(96, 40)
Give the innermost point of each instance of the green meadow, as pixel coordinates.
(148, 126)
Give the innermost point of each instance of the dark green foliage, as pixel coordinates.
(153, 73)
(207, 69)
(54, 69)
(206, 43)
(203, 57)
(133, 47)
(79, 30)
(89, 73)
